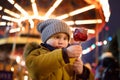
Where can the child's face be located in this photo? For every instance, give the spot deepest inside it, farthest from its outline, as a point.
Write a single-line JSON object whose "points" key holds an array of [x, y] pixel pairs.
{"points": [[59, 40]]}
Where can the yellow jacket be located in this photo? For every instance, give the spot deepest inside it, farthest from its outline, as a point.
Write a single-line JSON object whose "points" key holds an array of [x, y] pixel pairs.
{"points": [[44, 64]]}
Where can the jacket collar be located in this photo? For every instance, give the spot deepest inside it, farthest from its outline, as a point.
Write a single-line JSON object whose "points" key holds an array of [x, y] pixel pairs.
{"points": [[48, 46]]}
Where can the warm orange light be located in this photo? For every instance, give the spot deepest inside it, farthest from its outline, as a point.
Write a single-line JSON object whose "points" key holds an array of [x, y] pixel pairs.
{"points": [[75, 12], [49, 12]]}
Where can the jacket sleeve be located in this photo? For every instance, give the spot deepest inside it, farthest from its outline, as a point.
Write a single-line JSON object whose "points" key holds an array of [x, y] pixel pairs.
{"points": [[65, 55], [50, 61], [85, 75]]}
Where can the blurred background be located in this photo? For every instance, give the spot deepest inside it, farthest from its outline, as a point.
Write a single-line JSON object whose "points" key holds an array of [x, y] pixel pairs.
{"points": [[19, 18]]}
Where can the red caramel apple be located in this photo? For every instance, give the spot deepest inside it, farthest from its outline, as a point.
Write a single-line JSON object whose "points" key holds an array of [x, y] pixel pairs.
{"points": [[80, 34]]}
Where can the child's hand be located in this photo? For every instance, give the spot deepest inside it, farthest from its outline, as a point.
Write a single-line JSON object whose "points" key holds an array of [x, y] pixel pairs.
{"points": [[78, 66], [74, 51]]}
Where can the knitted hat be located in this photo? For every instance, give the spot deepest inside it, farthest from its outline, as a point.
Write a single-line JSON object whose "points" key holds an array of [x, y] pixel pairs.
{"points": [[52, 26]]}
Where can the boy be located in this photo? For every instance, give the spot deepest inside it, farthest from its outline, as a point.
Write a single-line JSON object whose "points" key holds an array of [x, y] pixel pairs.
{"points": [[55, 59]]}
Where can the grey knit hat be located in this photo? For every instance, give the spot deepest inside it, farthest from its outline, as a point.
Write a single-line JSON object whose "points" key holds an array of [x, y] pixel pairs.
{"points": [[52, 26]]}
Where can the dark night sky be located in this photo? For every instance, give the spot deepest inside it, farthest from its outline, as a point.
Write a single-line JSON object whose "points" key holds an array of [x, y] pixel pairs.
{"points": [[114, 22]]}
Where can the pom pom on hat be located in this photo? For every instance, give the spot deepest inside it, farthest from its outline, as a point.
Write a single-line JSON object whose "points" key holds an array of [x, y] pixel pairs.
{"points": [[52, 26]]}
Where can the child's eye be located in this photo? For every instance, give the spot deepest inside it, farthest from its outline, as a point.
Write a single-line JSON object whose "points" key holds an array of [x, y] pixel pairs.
{"points": [[60, 37], [65, 38], [57, 37]]}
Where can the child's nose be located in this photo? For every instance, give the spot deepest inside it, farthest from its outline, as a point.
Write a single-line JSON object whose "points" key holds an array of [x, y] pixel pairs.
{"points": [[61, 41]]}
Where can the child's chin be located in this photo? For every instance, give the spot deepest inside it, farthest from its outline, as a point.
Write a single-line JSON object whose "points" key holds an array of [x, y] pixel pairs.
{"points": [[59, 47]]}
